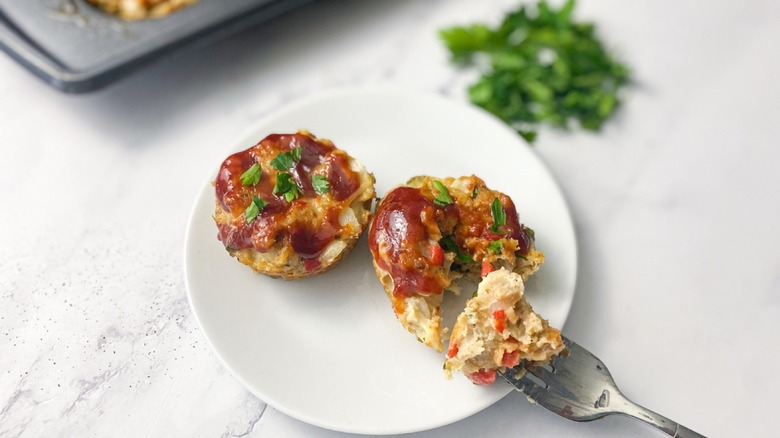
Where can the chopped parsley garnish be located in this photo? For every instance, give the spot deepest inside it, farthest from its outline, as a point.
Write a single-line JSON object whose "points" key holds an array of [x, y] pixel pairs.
{"points": [[448, 244], [496, 246], [499, 215], [530, 232], [415, 180], [320, 184], [255, 207], [286, 187], [444, 198], [286, 160], [544, 67], [252, 175], [296, 153], [475, 192]]}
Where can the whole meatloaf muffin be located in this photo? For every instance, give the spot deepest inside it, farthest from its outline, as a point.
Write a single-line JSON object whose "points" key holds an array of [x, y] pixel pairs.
{"points": [[292, 205], [430, 231]]}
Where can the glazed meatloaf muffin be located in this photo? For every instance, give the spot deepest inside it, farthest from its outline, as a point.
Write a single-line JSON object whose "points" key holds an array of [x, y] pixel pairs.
{"points": [[430, 231], [499, 329], [292, 205]]}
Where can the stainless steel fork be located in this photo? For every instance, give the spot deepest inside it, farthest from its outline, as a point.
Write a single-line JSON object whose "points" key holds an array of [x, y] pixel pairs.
{"points": [[577, 385]]}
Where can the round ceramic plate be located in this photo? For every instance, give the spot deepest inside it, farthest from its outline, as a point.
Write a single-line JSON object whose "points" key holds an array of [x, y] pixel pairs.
{"points": [[328, 350]]}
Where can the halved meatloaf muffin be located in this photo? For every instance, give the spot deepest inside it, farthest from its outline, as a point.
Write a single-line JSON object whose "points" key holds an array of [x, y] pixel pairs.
{"points": [[431, 231]]}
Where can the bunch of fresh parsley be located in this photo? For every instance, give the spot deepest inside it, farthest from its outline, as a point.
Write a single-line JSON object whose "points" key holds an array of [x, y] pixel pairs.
{"points": [[544, 68]]}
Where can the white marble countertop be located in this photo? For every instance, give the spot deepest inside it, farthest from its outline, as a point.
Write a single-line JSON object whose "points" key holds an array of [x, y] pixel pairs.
{"points": [[676, 204]]}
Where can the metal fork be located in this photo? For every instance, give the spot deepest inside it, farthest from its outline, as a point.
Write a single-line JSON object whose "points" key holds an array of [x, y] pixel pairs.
{"points": [[577, 385]]}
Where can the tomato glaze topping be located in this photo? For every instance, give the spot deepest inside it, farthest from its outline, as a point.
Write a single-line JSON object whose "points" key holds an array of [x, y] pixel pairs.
{"points": [[395, 240], [308, 228]]}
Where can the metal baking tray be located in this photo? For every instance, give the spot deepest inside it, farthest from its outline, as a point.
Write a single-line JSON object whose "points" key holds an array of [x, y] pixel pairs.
{"points": [[77, 48]]}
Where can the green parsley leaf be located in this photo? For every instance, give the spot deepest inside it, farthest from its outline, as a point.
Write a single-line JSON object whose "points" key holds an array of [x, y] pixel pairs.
{"points": [[415, 181], [255, 207], [543, 67], [499, 216], [320, 184], [474, 295], [463, 41], [286, 187], [496, 246], [286, 160], [252, 175], [474, 192], [448, 244], [296, 153], [530, 232], [444, 196], [282, 161], [529, 136]]}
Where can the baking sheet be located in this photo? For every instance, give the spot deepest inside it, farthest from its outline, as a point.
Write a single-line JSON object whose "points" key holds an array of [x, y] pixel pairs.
{"points": [[77, 47]]}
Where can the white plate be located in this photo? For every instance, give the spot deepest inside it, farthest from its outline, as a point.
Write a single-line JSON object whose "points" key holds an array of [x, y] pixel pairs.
{"points": [[328, 350]]}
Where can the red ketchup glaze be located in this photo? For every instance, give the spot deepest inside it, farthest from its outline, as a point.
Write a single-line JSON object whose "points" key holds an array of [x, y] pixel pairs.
{"points": [[234, 238], [308, 240], [313, 154], [514, 229], [397, 223], [343, 181]]}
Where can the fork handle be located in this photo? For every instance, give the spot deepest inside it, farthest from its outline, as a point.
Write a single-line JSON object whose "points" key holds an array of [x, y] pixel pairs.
{"points": [[665, 425]]}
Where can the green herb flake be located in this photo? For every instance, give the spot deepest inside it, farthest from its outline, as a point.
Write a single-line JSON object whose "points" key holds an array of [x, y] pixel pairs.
{"points": [[543, 68], [474, 295], [444, 198], [320, 184], [296, 153], [448, 244], [286, 187], [415, 181], [499, 216], [496, 246], [255, 207], [475, 192], [282, 161], [285, 160], [530, 233], [252, 175]]}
